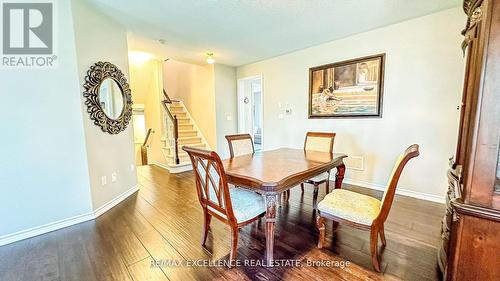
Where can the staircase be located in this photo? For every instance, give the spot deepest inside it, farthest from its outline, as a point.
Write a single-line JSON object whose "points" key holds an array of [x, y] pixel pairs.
{"points": [[188, 134]]}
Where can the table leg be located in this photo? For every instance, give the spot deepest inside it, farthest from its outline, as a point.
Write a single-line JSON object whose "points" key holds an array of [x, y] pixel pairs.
{"points": [[339, 176], [270, 221]]}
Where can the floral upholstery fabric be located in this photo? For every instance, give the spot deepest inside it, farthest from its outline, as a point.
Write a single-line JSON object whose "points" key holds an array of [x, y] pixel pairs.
{"points": [[350, 206], [246, 204], [321, 144], [242, 147], [318, 144]]}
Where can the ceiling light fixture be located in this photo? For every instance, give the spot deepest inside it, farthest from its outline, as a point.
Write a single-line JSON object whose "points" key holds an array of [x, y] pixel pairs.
{"points": [[210, 58], [138, 57]]}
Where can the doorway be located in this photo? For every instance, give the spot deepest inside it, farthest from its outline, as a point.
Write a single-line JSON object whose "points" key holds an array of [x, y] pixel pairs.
{"points": [[139, 124], [250, 109]]}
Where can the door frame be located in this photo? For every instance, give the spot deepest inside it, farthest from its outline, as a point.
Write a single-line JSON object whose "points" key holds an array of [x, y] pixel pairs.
{"points": [[240, 90]]}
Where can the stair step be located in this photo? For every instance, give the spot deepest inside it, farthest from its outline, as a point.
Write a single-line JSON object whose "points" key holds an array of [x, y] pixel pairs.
{"points": [[179, 114], [181, 153], [189, 140], [196, 145], [184, 120], [182, 157], [188, 133], [186, 127]]}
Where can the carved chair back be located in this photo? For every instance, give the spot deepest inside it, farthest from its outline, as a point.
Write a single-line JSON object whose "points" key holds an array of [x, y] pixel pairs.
{"points": [[240, 144], [386, 202], [211, 182], [319, 141]]}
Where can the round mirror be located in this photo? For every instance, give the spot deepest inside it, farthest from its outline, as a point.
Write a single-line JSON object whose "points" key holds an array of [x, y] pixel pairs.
{"points": [[107, 97], [111, 98]]}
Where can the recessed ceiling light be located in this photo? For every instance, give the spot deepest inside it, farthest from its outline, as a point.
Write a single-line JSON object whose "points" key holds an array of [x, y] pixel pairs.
{"points": [[210, 58]]}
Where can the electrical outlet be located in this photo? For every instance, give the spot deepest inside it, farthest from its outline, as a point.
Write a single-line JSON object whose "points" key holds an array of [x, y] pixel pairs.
{"points": [[113, 177], [229, 117], [132, 167], [104, 180]]}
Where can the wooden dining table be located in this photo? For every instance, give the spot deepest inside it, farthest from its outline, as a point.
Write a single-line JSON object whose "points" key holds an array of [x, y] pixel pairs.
{"points": [[272, 172]]}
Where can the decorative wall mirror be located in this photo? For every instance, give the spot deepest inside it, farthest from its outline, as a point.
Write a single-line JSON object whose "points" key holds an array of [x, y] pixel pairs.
{"points": [[108, 97]]}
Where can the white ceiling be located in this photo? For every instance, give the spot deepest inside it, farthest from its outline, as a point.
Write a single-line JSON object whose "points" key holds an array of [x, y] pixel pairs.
{"points": [[245, 31]]}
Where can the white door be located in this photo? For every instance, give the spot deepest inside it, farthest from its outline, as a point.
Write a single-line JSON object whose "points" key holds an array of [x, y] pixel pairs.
{"points": [[250, 111]]}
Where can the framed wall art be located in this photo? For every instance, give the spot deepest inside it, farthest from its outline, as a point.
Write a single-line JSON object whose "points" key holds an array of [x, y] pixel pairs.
{"points": [[347, 89]]}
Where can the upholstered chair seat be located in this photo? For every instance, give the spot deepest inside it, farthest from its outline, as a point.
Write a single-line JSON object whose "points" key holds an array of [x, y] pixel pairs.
{"points": [[362, 211], [351, 206], [246, 204]]}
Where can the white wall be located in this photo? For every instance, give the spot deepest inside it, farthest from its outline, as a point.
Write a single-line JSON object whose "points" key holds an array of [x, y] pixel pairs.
{"points": [[146, 84], [194, 85], [209, 94], [43, 163], [423, 83], [98, 38], [225, 106]]}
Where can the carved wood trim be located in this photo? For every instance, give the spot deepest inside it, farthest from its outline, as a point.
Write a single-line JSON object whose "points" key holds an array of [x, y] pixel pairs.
{"points": [[472, 9], [471, 210], [95, 75]]}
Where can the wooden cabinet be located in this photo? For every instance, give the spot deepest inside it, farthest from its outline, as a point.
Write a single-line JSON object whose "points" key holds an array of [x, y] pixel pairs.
{"points": [[470, 248]]}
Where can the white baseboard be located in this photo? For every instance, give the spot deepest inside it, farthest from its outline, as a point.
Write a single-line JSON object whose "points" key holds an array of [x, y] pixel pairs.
{"points": [[175, 169], [49, 227], [399, 191], [104, 208], [38, 230]]}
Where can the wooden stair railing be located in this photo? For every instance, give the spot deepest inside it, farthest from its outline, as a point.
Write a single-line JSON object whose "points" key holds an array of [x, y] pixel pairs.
{"points": [[144, 147], [164, 102]]}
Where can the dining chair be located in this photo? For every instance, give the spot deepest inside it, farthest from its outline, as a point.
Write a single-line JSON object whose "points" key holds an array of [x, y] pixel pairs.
{"points": [[363, 211], [236, 207], [317, 141], [240, 144]]}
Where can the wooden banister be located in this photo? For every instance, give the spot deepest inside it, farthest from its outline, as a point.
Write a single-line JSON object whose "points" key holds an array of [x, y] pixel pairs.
{"points": [[176, 140], [167, 98], [175, 121], [148, 135], [144, 147]]}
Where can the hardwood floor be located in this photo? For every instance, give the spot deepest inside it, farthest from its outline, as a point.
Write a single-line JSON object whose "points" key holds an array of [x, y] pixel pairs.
{"points": [[163, 223]]}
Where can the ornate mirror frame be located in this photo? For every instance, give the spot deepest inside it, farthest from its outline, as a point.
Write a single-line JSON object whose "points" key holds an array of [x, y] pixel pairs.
{"points": [[95, 75]]}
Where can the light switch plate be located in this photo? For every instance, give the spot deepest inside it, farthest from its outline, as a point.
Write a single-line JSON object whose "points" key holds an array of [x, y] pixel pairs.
{"points": [[104, 180], [113, 177]]}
